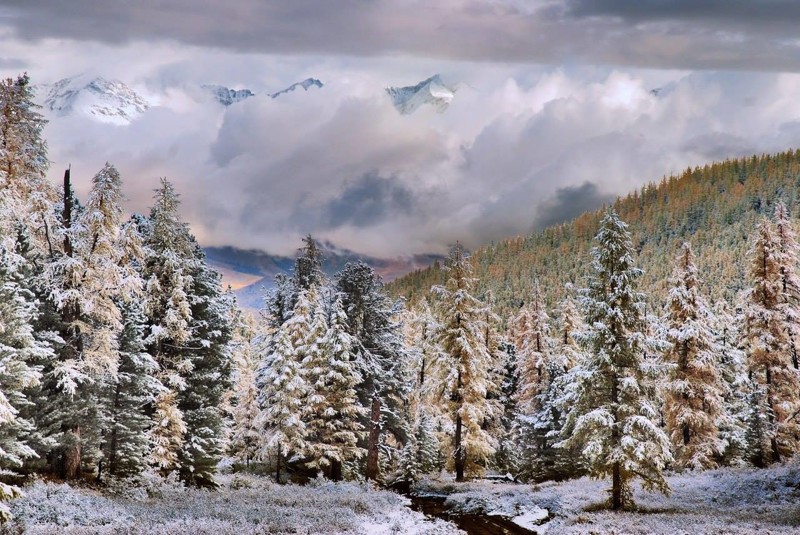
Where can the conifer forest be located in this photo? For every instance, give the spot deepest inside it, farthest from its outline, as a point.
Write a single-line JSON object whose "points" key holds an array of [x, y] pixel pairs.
{"points": [[620, 372]]}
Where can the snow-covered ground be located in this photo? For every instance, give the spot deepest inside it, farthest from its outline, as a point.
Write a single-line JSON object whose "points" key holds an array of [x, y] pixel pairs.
{"points": [[725, 501], [244, 505]]}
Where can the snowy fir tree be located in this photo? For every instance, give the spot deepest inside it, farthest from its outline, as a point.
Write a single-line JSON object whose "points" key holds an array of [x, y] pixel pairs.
{"points": [[787, 258], [125, 397], [373, 323], [612, 414], [241, 402], [332, 411], [767, 343], [283, 389], [532, 339], [466, 371], [694, 393], [735, 382]]}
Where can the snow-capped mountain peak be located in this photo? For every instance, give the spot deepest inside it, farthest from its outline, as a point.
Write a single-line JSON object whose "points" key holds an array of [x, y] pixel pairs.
{"points": [[227, 96], [108, 101], [433, 92], [305, 84]]}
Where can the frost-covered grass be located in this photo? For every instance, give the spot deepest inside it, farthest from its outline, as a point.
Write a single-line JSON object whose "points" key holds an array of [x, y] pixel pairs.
{"points": [[244, 505], [725, 501]]}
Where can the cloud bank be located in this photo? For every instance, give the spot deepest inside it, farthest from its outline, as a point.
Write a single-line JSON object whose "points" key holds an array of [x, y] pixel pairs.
{"points": [[517, 149]]}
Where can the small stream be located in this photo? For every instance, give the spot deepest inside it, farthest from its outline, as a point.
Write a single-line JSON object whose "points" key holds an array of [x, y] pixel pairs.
{"points": [[433, 506]]}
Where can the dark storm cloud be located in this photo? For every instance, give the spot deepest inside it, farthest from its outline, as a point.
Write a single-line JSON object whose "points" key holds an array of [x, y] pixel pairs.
{"points": [[368, 201], [570, 202], [784, 13], [686, 34]]}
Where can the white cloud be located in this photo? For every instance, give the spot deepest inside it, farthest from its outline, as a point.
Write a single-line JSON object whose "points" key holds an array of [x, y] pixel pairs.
{"points": [[515, 144]]}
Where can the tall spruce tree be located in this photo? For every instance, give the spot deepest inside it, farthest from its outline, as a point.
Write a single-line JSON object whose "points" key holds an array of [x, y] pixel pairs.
{"points": [[283, 388], [767, 345], [374, 323], [694, 400], [466, 371], [611, 395], [332, 411]]}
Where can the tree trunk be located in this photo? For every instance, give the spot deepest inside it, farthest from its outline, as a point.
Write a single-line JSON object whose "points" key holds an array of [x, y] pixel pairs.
{"points": [[616, 487], [336, 470], [72, 455], [112, 447], [617, 499], [459, 451], [685, 435], [278, 466], [374, 436]]}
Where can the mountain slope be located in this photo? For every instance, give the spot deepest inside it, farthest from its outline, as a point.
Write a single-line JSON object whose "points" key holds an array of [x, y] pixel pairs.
{"points": [[227, 96], [108, 101], [716, 207], [431, 92], [306, 84]]}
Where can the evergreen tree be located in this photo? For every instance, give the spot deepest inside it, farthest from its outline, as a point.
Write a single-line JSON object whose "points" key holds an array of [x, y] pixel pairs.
{"points": [[189, 319], [694, 395], [125, 398], [787, 258], [612, 414], [19, 351], [25, 194], [373, 322], [507, 455], [767, 345], [465, 373], [332, 412], [283, 389], [532, 335], [242, 400]]}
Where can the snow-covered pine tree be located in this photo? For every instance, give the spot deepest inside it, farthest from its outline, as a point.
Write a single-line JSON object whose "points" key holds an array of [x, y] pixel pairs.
{"points": [[332, 412], [694, 394], [27, 196], [567, 352], [125, 396], [283, 389], [506, 457], [611, 417], [735, 382], [20, 349], [532, 333], [245, 440], [540, 459], [421, 454], [767, 346], [373, 321], [787, 258], [190, 326], [466, 371], [168, 312]]}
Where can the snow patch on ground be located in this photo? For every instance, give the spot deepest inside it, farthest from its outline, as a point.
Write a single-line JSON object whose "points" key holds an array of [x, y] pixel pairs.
{"points": [[243, 505], [731, 501]]}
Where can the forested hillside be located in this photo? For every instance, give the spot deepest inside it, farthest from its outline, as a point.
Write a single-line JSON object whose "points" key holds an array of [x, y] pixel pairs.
{"points": [[715, 207]]}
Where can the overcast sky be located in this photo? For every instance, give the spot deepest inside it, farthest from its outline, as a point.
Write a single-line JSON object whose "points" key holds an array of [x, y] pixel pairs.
{"points": [[554, 112]]}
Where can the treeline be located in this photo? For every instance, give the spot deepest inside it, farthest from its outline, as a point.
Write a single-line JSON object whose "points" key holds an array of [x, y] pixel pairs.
{"points": [[114, 334]]}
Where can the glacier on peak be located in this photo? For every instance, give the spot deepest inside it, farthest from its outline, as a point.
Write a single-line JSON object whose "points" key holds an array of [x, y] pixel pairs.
{"points": [[108, 101], [433, 92]]}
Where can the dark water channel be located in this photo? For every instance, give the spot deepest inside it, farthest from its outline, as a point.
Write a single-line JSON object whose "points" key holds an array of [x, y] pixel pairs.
{"points": [[433, 506]]}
